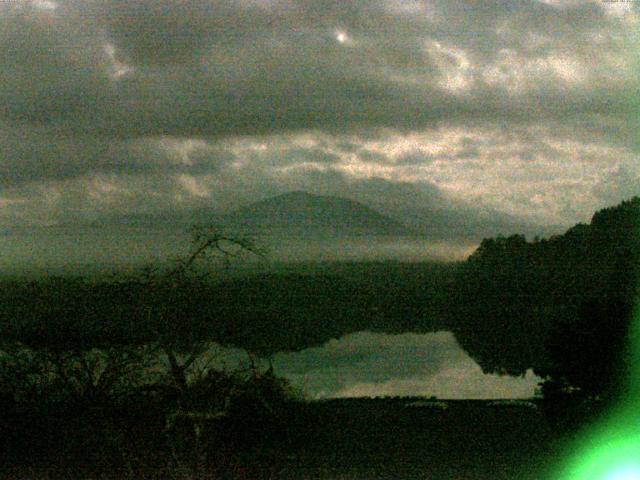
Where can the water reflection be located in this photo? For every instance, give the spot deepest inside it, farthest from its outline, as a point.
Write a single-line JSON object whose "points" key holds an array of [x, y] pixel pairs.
{"points": [[377, 364]]}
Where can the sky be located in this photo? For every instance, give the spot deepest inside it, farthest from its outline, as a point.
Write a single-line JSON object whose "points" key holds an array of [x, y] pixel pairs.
{"points": [[527, 109]]}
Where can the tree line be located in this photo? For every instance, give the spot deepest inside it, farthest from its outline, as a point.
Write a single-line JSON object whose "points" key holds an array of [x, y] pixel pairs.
{"points": [[562, 306]]}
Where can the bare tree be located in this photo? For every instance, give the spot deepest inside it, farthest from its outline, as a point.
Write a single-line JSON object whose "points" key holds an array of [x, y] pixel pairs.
{"points": [[182, 332]]}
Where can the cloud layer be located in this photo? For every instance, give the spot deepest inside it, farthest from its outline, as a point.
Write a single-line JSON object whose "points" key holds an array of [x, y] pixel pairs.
{"points": [[527, 108]]}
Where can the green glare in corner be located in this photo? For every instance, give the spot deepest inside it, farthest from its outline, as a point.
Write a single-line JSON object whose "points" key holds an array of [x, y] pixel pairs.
{"points": [[624, 473], [611, 449]]}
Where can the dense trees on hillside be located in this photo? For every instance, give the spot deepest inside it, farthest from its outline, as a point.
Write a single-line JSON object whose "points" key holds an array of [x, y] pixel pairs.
{"points": [[561, 306]]}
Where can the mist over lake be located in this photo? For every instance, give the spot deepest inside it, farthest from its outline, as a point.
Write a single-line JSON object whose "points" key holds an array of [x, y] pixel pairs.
{"points": [[71, 249]]}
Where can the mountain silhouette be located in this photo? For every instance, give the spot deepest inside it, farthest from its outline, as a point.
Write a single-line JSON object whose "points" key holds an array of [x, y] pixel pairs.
{"points": [[304, 214]]}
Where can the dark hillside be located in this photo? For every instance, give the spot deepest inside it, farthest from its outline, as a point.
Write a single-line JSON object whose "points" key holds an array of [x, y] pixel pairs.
{"points": [[521, 304]]}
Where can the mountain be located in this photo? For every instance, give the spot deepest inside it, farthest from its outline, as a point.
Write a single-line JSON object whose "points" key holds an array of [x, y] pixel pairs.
{"points": [[304, 214]]}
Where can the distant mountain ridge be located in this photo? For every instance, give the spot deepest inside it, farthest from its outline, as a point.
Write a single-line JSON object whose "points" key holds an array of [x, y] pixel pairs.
{"points": [[304, 214]]}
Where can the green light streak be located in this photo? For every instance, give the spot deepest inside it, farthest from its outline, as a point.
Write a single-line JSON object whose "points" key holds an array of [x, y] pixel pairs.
{"points": [[610, 450]]}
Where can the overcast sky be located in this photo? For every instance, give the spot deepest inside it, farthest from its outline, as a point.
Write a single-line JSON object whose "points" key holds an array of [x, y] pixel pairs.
{"points": [[529, 108]]}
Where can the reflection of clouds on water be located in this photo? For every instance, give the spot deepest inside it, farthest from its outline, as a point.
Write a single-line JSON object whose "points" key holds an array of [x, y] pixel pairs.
{"points": [[366, 364], [372, 364], [466, 381]]}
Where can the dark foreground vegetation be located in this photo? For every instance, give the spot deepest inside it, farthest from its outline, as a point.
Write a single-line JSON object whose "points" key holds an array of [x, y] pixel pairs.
{"points": [[395, 438], [222, 426], [347, 439], [112, 377]]}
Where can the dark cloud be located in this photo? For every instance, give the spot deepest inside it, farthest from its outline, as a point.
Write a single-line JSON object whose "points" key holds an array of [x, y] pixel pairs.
{"points": [[167, 31], [36, 154], [227, 67], [617, 185], [415, 157]]}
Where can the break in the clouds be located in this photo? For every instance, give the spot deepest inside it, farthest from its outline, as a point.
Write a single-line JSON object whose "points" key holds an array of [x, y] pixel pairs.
{"points": [[515, 110]]}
